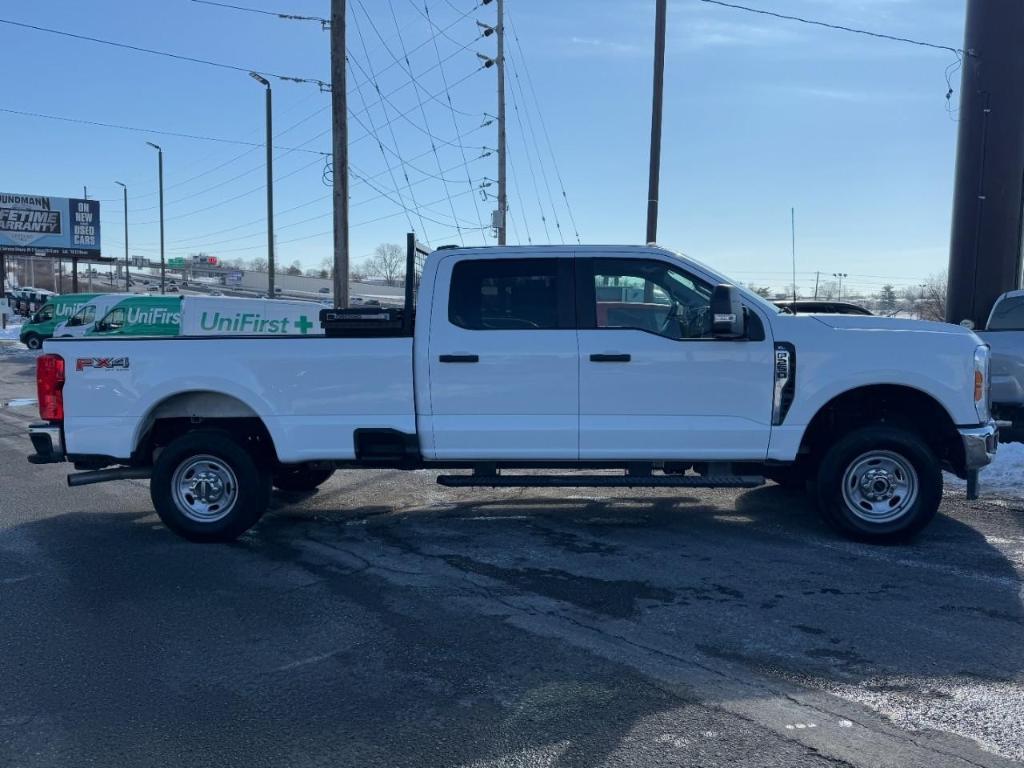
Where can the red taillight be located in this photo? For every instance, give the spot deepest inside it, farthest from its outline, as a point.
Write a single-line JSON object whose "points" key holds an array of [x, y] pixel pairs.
{"points": [[49, 386]]}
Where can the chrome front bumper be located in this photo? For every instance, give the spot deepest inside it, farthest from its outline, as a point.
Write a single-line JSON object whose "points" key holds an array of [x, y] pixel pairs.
{"points": [[980, 445]]}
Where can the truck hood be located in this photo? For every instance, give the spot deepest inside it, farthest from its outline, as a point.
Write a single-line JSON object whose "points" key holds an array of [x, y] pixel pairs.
{"points": [[873, 323]]}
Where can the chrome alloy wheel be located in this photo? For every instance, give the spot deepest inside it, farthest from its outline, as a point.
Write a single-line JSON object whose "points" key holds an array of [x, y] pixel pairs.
{"points": [[880, 486], [204, 489]]}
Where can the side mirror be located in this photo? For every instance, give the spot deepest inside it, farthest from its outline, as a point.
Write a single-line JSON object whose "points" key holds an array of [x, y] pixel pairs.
{"points": [[728, 320]]}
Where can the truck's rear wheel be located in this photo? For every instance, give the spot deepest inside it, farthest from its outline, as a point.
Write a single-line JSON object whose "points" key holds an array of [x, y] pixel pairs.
{"points": [[301, 478], [880, 484], [206, 487], [33, 341]]}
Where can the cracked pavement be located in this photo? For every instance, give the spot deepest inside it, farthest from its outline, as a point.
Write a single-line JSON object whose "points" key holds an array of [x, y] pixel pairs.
{"points": [[386, 621]]}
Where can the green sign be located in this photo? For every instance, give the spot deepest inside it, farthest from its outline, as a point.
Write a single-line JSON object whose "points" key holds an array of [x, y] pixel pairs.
{"points": [[176, 263]]}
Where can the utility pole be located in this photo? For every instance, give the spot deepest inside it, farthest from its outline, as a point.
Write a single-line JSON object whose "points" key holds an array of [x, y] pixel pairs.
{"points": [[270, 185], [502, 188], [656, 105], [160, 171], [985, 244], [339, 111], [817, 277], [124, 188]]}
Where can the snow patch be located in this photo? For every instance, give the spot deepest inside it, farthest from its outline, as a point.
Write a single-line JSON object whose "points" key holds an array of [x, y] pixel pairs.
{"points": [[1004, 477]]}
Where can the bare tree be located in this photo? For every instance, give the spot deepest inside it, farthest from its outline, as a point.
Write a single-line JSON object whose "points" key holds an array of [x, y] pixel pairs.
{"points": [[387, 262], [259, 264], [295, 268], [932, 304]]}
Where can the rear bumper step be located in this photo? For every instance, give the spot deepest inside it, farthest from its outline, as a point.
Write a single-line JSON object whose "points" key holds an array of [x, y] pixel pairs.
{"points": [[600, 481]]}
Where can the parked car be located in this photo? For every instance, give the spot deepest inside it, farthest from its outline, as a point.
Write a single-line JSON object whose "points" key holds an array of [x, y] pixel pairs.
{"points": [[515, 358], [822, 307], [324, 290], [1004, 333]]}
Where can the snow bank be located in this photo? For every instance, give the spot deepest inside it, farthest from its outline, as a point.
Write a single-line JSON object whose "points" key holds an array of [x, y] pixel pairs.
{"points": [[11, 331], [1004, 477]]}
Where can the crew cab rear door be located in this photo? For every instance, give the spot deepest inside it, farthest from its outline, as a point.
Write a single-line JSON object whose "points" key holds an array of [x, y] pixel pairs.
{"points": [[502, 361], [654, 384]]}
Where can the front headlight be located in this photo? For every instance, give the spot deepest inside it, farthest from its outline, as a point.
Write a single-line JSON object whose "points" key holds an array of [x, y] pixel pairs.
{"points": [[982, 382]]}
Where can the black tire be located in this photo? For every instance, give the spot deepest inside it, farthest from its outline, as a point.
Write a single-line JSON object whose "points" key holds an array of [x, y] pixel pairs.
{"points": [[249, 489], [33, 341], [301, 478], [888, 454]]}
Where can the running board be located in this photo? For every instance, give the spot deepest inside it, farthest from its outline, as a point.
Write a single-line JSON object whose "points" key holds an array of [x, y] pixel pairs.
{"points": [[600, 481]]}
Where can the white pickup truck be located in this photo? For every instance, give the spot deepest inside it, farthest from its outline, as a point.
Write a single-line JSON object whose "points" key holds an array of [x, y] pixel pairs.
{"points": [[617, 365]]}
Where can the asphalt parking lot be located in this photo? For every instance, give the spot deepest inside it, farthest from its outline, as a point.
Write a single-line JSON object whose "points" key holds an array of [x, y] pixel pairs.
{"points": [[386, 621]]}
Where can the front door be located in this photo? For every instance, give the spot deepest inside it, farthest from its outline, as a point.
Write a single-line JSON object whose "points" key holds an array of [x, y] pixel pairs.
{"points": [[654, 384], [502, 361]]}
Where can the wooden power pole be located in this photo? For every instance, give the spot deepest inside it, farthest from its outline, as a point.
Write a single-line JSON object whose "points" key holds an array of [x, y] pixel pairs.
{"points": [[499, 30], [656, 105], [339, 110]]}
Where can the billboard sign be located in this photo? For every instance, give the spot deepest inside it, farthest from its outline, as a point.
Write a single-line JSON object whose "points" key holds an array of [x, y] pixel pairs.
{"points": [[234, 277], [54, 226]]}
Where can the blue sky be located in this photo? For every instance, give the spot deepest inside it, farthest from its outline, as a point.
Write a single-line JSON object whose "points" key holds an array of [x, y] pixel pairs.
{"points": [[760, 115]]}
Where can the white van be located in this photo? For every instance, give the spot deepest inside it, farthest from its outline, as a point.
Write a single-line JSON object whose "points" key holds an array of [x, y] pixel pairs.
{"points": [[230, 316], [85, 318]]}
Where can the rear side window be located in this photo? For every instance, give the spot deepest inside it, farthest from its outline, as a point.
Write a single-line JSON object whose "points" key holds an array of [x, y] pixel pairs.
{"points": [[512, 295], [1008, 315]]}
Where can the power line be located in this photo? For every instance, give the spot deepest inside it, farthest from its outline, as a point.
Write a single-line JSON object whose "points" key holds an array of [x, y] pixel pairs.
{"points": [[166, 54], [536, 146], [529, 165], [455, 124], [544, 127], [838, 27], [417, 87], [376, 135], [156, 131], [278, 14]]}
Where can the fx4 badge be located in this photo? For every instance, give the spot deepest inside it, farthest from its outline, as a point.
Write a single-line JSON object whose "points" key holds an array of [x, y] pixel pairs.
{"points": [[109, 363]]}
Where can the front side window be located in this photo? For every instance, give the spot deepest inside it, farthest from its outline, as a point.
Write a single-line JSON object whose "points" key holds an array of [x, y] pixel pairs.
{"points": [[114, 320], [44, 315], [1008, 315], [651, 296], [511, 295], [84, 316]]}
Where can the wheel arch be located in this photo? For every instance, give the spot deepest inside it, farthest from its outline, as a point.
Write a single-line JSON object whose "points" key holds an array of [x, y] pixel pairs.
{"points": [[196, 409], [895, 404]]}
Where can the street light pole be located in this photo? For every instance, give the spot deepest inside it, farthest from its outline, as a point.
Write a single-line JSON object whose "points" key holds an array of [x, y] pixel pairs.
{"points": [[124, 188], [270, 185], [160, 168], [840, 276]]}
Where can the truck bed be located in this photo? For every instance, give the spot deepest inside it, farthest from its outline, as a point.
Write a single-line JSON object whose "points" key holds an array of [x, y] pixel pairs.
{"points": [[311, 392]]}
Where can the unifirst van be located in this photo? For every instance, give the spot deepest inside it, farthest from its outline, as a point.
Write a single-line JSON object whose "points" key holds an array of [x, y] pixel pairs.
{"points": [[226, 316], [56, 310], [141, 316], [83, 320], [209, 316]]}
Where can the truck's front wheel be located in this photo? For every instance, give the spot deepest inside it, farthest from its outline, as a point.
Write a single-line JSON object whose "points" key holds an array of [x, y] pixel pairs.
{"points": [[880, 484], [206, 487], [33, 341]]}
